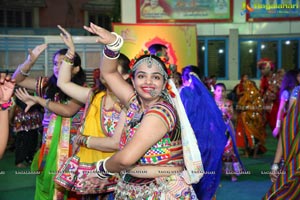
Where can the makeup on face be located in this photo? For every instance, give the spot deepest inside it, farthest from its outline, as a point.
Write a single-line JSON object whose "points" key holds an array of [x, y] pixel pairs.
{"points": [[56, 63], [149, 80], [150, 63]]}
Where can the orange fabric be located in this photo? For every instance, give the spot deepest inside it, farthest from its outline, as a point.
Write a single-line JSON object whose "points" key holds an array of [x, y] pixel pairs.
{"points": [[250, 118]]}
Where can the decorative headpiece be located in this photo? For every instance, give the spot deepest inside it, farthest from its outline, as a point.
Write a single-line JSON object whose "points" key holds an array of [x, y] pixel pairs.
{"points": [[266, 64], [136, 62]]}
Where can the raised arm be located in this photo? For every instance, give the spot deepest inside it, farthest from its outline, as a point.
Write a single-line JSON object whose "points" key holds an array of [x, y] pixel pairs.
{"points": [[73, 90], [280, 113], [21, 75], [6, 89], [109, 64]]}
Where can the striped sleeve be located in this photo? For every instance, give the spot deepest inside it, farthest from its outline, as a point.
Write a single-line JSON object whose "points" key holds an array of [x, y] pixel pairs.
{"points": [[41, 85], [165, 112]]}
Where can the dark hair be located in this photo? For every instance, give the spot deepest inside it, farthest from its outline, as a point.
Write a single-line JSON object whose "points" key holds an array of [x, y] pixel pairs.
{"points": [[185, 72], [177, 76], [153, 57], [289, 81], [79, 78], [220, 85], [154, 48], [124, 61], [243, 75]]}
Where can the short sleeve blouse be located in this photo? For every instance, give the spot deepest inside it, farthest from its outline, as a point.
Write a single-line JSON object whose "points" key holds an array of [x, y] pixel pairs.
{"points": [[164, 150]]}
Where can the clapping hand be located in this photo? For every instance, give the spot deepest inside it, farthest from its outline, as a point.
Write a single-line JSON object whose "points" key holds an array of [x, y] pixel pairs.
{"points": [[7, 86], [36, 52], [24, 96], [105, 37]]}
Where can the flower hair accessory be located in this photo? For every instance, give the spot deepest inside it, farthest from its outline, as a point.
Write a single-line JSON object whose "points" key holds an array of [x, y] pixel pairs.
{"points": [[265, 63]]}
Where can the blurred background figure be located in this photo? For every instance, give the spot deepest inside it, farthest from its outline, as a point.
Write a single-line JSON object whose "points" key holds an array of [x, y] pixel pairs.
{"points": [[232, 165], [26, 127], [250, 128]]}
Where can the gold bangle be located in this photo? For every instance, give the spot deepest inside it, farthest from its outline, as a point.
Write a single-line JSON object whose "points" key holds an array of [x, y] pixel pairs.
{"points": [[68, 60]]}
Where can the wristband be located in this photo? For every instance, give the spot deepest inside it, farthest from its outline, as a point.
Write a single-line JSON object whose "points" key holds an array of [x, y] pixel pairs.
{"points": [[5, 106], [278, 123]]}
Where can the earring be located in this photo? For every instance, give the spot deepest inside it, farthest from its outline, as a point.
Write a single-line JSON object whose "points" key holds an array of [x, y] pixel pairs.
{"points": [[163, 93]]}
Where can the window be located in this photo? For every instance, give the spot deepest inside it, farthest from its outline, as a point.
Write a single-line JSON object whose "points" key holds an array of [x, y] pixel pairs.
{"points": [[269, 49], [212, 57], [101, 20], [290, 54], [216, 58], [16, 18], [248, 57], [28, 19], [201, 56], [284, 52]]}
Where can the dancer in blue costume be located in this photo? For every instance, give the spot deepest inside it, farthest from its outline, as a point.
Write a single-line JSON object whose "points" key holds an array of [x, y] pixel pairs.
{"points": [[209, 127]]}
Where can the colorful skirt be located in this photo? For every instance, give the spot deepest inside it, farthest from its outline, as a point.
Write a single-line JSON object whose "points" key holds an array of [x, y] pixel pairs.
{"points": [[173, 187]]}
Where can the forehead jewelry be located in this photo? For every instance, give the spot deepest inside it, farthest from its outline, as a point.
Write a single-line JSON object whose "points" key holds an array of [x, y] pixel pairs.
{"points": [[150, 62]]}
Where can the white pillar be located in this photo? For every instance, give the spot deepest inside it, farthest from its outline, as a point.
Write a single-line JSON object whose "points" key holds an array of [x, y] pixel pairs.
{"points": [[233, 54], [128, 11]]}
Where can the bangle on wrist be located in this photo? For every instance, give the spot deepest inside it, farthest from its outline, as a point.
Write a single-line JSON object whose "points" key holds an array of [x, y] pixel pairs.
{"points": [[105, 170], [112, 55], [22, 72], [101, 169], [275, 167], [87, 143], [82, 140], [278, 123], [6, 105], [47, 103], [68, 60], [117, 44]]}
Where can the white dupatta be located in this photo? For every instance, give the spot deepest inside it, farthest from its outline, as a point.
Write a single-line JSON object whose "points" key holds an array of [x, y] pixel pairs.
{"points": [[191, 152]]}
